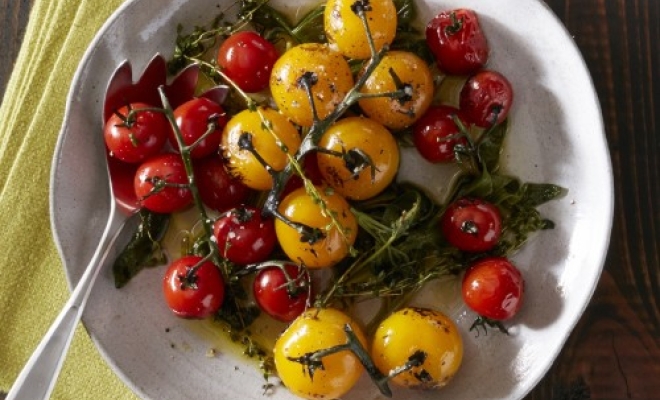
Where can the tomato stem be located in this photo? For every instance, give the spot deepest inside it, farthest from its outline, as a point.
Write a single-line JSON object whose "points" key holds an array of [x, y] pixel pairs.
{"points": [[360, 7], [187, 161], [456, 24]]}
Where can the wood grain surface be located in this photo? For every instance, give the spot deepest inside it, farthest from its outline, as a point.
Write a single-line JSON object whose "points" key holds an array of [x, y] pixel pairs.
{"points": [[614, 351]]}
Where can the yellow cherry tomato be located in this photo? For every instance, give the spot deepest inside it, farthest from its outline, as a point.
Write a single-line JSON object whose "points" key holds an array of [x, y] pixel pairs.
{"points": [[414, 74], [335, 244], [271, 146], [344, 28], [328, 71], [318, 329], [362, 135], [421, 332]]}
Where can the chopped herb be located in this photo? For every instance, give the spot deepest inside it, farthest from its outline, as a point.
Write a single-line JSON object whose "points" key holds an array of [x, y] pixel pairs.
{"points": [[144, 249]]}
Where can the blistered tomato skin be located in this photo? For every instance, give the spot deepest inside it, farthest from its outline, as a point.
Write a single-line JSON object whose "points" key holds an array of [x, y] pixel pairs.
{"points": [[457, 42], [326, 69], [193, 118], [136, 140], [244, 236], [247, 59], [318, 329], [422, 334], [345, 29], [325, 252], [493, 287], [283, 296], [486, 98], [169, 171], [193, 293], [436, 134], [414, 74], [472, 225], [242, 163], [371, 138]]}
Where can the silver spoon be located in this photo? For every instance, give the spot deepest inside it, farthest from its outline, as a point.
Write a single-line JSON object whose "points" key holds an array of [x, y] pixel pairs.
{"points": [[37, 378]]}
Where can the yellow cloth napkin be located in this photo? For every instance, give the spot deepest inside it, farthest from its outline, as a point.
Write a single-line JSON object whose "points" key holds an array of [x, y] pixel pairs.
{"points": [[32, 284]]}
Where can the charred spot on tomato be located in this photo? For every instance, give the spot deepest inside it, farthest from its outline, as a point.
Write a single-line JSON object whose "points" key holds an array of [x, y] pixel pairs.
{"points": [[245, 141], [469, 227], [242, 214], [360, 7], [423, 376], [307, 80], [188, 281], [335, 179]]}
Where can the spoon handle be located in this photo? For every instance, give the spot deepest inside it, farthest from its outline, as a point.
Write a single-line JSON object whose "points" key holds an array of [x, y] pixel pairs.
{"points": [[37, 379]]}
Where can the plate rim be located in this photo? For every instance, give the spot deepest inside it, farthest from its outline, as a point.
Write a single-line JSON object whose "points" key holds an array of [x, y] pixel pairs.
{"points": [[609, 205]]}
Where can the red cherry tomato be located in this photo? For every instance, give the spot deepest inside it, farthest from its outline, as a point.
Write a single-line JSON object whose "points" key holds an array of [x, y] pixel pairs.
{"points": [[244, 236], [193, 119], [486, 98], [161, 184], [493, 287], [137, 138], [457, 42], [247, 59], [218, 190], [436, 134], [282, 296], [472, 225], [193, 290]]}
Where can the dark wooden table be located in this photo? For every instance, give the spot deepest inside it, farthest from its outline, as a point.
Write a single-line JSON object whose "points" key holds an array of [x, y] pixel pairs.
{"points": [[614, 351]]}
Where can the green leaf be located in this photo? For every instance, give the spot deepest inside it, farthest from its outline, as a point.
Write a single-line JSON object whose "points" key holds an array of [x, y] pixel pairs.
{"points": [[490, 146], [144, 249], [406, 12], [536, 194]]}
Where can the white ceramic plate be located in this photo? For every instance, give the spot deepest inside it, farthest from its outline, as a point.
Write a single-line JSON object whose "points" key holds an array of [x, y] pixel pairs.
{"points": [[556, 136]]}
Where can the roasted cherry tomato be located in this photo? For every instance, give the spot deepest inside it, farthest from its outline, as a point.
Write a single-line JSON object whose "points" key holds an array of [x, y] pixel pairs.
{"points": [[457, 42], [194, 118], [282, 291], [436, 134], [372, 152], [345, 29], [218, 190], [193, 288], [472, 225], [398, 70], [420, 335], [135, 137], [318, 329], [247, 59], [247, 128], [493, 287], [161, 184], [244, 236], [333, 245], [326, 70], [486, 98]]}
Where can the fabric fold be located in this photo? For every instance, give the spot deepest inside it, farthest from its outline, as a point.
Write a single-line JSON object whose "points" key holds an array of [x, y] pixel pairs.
{"points": [[33, 287]]}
